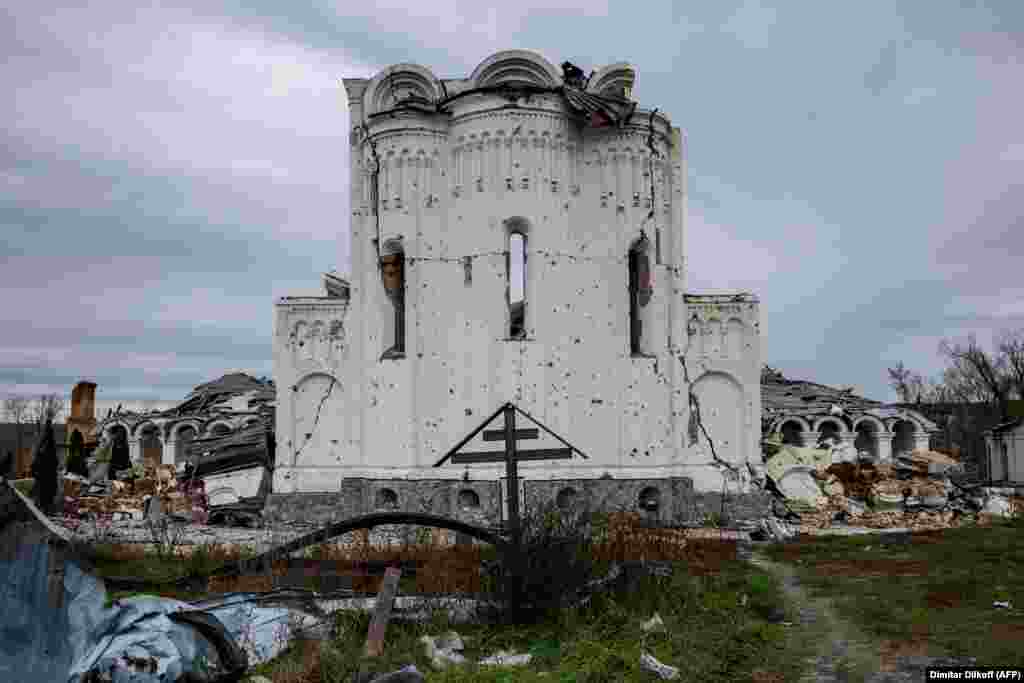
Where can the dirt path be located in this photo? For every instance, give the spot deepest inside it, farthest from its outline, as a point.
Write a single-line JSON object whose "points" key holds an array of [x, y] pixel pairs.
{"points": [[844, 652]]}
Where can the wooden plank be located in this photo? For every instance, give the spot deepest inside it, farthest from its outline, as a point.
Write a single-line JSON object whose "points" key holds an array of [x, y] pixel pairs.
{"points": [[499, 456], [499, 434], [382, 612]]}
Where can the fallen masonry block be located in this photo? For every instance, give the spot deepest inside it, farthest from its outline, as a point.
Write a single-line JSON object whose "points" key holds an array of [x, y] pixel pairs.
{"points": [[503, 658], [662, 671]]}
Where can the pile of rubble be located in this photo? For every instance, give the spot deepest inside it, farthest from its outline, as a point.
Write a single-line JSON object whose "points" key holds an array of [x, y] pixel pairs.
{"points": [[830, 486], [132, 493]]}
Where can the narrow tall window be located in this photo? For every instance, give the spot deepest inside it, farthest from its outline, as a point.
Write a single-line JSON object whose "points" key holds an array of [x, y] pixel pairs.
{"points": [[393, 267], [517, 285], [640, 290]]}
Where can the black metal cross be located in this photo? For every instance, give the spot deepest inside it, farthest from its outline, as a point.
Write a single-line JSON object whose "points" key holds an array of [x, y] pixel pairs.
{"points": [[510, 455]]}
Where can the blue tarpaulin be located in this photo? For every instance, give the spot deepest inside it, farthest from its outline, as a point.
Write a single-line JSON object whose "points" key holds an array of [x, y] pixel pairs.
{"points": [[55, 626]]}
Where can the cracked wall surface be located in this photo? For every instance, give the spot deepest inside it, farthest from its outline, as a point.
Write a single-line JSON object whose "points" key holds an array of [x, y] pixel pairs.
{"points": [[451, 178]]}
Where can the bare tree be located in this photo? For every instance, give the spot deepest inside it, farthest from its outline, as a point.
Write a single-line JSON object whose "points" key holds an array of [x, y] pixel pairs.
{"points": [[909, 385], [46, 408], [16, 409], [1010, 346], [977, 373]]}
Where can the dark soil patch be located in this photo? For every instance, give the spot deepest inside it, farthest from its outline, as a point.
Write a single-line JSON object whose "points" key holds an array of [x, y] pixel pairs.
{"points": [[926, 537], [891, 651], [1008, 632], [943, 599]]}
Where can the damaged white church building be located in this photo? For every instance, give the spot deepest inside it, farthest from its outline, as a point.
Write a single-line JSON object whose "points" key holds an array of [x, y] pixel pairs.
{"points": [[517, 235]]}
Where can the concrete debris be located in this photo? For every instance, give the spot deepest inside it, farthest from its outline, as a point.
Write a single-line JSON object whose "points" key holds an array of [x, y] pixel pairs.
{"points": [[233, 454], [407, 674], [997, 505], [157, 490], [799, 484], [655, 623], [662, 671], [819, 488], [443, 650], [240, 462], [502, 658], [777, 529]]}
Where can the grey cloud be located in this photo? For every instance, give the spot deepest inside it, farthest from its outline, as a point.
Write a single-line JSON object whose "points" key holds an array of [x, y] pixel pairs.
{"points": [[165, 171]]}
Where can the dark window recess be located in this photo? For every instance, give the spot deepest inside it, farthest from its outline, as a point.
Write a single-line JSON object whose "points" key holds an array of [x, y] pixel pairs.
{"points": [[393, 274], [639, 296]]}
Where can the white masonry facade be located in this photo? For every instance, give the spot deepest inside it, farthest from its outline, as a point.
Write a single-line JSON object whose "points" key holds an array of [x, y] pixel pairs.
{"points": [[506, 248]]}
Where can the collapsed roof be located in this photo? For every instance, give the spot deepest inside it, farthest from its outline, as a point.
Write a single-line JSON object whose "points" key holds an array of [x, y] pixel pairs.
{"points": [[242, 449], [235, 391], [783, 397]]}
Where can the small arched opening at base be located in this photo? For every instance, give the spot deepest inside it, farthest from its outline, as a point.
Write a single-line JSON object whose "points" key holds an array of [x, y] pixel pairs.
{"points": [[565, 498], [649, 501], [469, 500], [386, 499]]}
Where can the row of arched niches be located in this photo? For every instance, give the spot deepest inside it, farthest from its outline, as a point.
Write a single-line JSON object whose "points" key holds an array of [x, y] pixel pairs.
{"points": [[497, 149]]}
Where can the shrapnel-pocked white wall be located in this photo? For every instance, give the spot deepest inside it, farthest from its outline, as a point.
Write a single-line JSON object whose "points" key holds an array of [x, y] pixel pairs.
{"points": [[500, 155]]}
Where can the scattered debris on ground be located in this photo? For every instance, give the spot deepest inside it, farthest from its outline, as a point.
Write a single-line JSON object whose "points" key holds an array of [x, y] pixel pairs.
{"points": [[835, 488]]}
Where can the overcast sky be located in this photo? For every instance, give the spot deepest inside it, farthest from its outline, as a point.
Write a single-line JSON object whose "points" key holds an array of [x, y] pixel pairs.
{"points": [[166, 172]]}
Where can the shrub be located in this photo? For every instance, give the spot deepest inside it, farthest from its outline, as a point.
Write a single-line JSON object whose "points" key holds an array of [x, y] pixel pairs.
{"points": [[553, 564]]}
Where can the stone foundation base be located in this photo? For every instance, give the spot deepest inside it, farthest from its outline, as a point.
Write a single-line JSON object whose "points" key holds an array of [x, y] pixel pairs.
{"points": [[671, 500]]}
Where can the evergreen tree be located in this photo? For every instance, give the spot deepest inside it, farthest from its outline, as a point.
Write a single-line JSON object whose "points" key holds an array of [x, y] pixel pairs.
{"points": [[44, 469]]}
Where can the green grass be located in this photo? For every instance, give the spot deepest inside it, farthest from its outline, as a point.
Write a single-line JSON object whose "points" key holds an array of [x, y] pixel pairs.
{"points": [[948, 604], [709, 636], [715, 612]]}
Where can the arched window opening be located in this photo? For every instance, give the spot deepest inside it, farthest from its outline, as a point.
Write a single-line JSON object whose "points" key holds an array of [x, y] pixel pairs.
{"points": [[516, 273], [640, 291], [393, 275], [867, 439], [120, 458], [792, 434], [186, 435], [152, 448], [829, 433], [220, 430], [903, 438]]}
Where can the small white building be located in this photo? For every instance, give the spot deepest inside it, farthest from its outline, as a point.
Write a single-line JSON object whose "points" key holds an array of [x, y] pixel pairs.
{"points": [[1005, 446], [516, 236]]}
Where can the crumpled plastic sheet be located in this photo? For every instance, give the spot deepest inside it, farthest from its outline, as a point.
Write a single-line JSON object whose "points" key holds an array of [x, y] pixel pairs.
{"points": [[39, 642], [140, 627]]}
